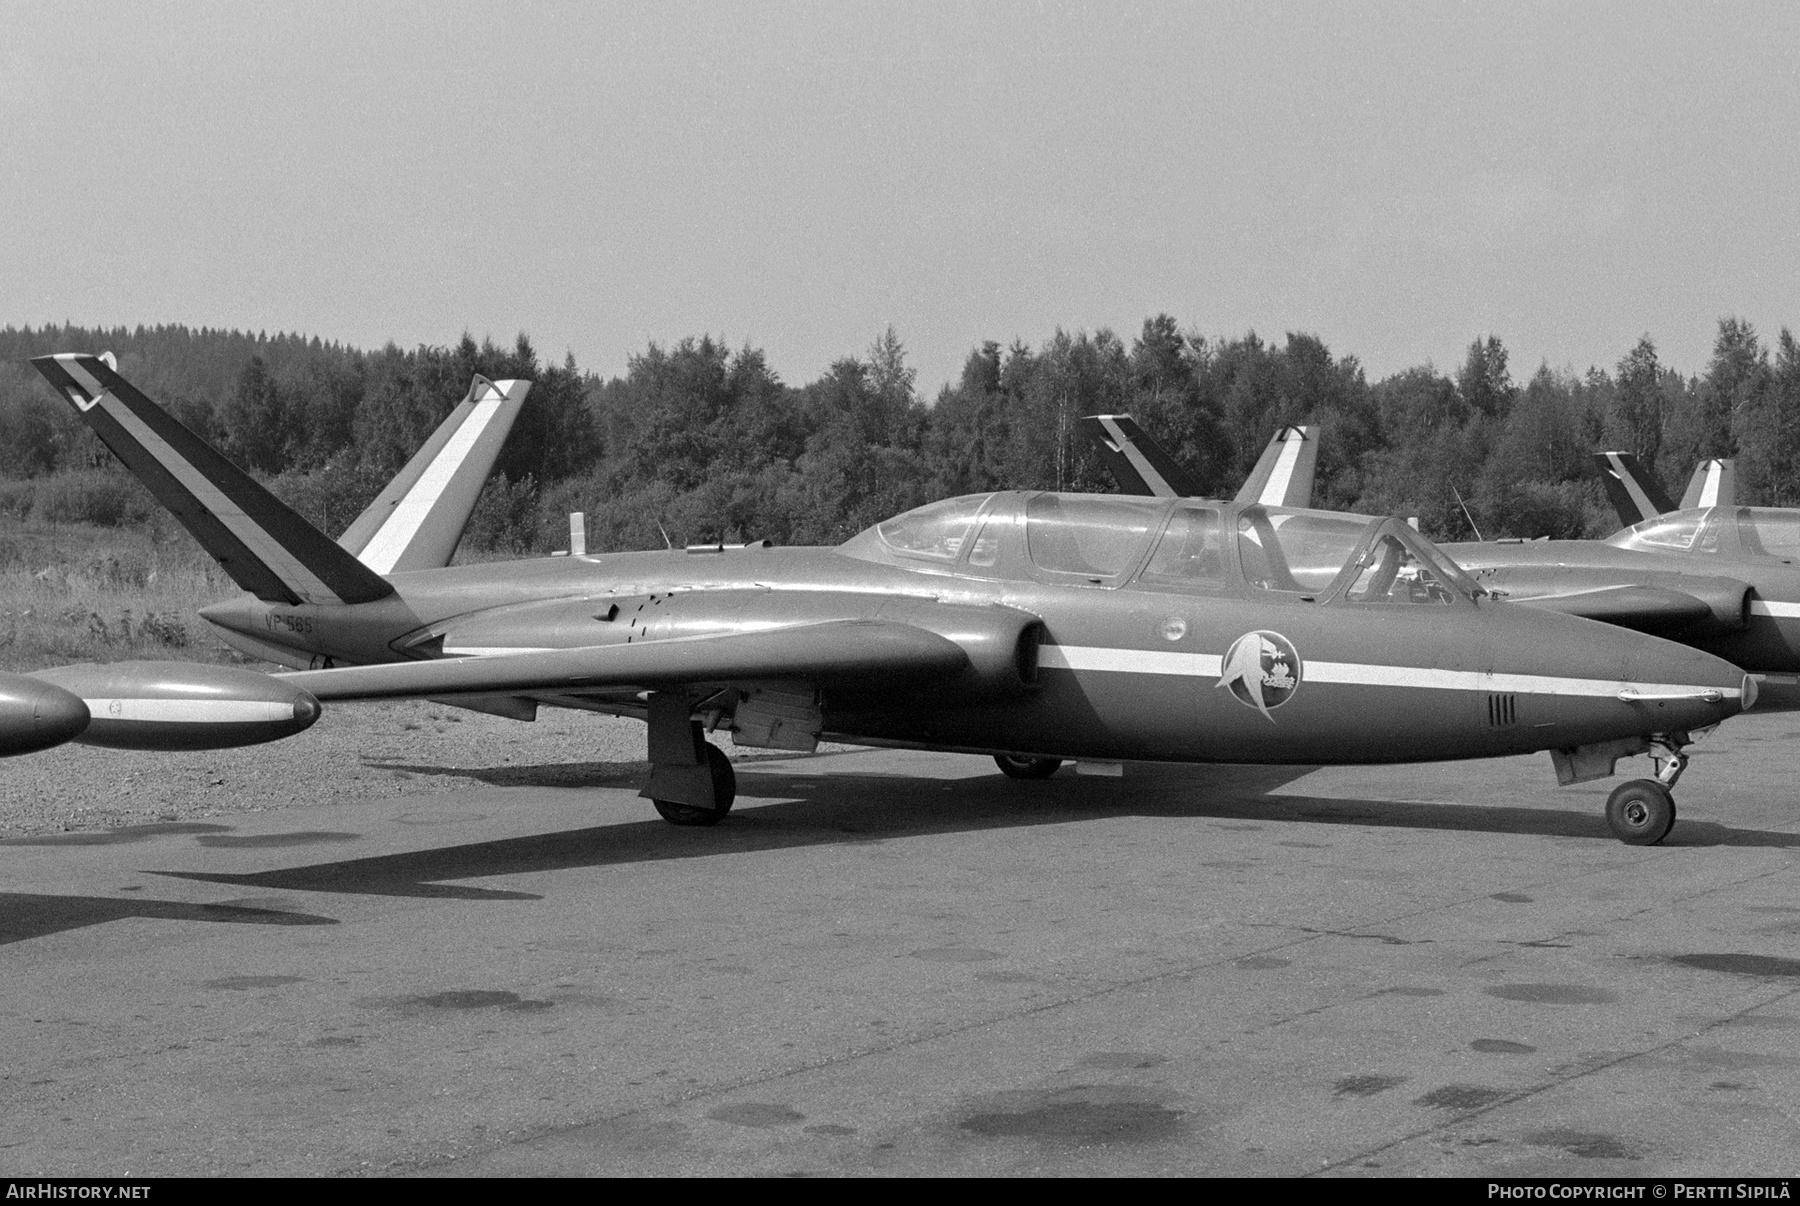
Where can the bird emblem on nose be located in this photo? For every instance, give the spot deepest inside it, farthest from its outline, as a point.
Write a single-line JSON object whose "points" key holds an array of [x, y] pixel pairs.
{"points": [[1262, 669]]}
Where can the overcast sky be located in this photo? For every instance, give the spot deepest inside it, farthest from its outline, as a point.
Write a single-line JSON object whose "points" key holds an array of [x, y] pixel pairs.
{"points": [[1395, 179]]}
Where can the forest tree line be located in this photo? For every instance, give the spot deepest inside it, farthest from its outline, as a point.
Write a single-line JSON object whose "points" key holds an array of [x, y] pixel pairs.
{"points": [[698, 441]]}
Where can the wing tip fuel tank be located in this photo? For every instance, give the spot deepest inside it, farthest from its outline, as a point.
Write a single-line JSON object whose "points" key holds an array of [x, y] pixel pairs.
{"points": [[182, 705], [36, 715]]}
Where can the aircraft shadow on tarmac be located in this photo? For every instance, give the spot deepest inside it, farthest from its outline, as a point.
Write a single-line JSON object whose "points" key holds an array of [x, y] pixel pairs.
{"points": [[33, 915], [847, 809]]}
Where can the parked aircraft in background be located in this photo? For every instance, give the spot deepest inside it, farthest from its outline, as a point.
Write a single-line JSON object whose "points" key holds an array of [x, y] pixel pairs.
{"points": [[1282, 477], [1034, 626], [1719, 577], [1637, 496], [1722, 579]]}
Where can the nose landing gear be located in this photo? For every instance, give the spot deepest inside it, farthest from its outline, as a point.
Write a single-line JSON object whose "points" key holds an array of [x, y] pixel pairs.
{"points": [[1642, 811]]}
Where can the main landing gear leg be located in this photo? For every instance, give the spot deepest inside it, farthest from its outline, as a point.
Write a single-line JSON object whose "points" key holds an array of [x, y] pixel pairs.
{"points": [[691, 780], [1642, 811]]}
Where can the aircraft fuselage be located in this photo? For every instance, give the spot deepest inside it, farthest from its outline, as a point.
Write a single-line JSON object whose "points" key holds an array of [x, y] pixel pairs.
{"points": [[1107, 668]]}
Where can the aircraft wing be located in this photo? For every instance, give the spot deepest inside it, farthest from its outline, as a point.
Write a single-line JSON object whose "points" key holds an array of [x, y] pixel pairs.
{"points": [[861, 654]]}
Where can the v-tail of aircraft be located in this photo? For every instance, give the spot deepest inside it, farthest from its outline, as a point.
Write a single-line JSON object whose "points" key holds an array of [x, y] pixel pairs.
{"points": [[1282, 477], [1636, 495], [415, 523], [263, 544]]}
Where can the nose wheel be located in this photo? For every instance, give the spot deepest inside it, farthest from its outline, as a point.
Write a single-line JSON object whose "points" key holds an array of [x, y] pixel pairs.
{"points": [[1641, 812]]}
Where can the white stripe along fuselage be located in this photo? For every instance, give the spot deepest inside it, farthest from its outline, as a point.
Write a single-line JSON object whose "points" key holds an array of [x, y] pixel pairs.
{"points": [[1209, 665]]}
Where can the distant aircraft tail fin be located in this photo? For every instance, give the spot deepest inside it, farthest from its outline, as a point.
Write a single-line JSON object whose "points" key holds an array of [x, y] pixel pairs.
{"points": [[417, 521], [1283, 476], [1632, 489], [266, 547], [1714, 484], [1137, 462]]}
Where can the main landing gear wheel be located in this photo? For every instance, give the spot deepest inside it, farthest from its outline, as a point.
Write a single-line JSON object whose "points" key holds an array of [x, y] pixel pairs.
{"points": [[1641, 812], [1023, 766], [724, 793]]}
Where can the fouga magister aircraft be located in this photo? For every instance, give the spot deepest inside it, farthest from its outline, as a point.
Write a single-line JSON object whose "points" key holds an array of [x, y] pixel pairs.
{"points": [[1032, 626]]}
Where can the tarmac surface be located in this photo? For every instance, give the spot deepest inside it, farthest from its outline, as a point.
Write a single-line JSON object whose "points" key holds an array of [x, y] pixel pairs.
{"points": [[903, 963]]}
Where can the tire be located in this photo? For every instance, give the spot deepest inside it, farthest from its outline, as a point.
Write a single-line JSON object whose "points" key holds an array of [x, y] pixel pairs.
{"points": [[1641, 812], [724, 781], [1024, 766]]}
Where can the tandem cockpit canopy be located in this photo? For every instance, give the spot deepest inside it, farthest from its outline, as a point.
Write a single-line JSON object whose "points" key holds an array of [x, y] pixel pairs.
{"points": [[1762, 532], [1161, 544]]}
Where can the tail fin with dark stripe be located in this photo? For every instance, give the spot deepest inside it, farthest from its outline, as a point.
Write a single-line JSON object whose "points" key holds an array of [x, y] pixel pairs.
{"points": [[266, 547], [1632, 489], [416, 522], [1137, 462]]}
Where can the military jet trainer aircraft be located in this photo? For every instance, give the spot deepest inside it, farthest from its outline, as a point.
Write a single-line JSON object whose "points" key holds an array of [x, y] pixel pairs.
{"points": [[1028, 625]]}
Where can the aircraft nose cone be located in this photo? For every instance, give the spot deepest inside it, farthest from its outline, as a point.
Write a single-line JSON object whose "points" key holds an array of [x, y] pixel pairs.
{"points": [[1698, 689], [306, 710], [36, 715]]}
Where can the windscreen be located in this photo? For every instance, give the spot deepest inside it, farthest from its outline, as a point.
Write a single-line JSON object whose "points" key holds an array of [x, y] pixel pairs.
{"points": [[1094, 535], [1191, 550], [936, 530], [1675, 532], [1302, 551], [1392, 572]]}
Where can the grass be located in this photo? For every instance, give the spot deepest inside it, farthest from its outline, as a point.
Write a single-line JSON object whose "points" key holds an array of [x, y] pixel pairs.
{"points": [[82, 593]]}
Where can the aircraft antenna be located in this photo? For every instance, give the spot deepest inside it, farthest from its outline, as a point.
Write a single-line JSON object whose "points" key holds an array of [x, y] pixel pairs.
{"points": [[665, 534], [1465, 511]]}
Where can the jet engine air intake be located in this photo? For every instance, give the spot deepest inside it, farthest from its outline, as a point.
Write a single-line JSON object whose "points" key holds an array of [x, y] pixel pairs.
{"points": [[1727, 598], [1001, 642]]}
